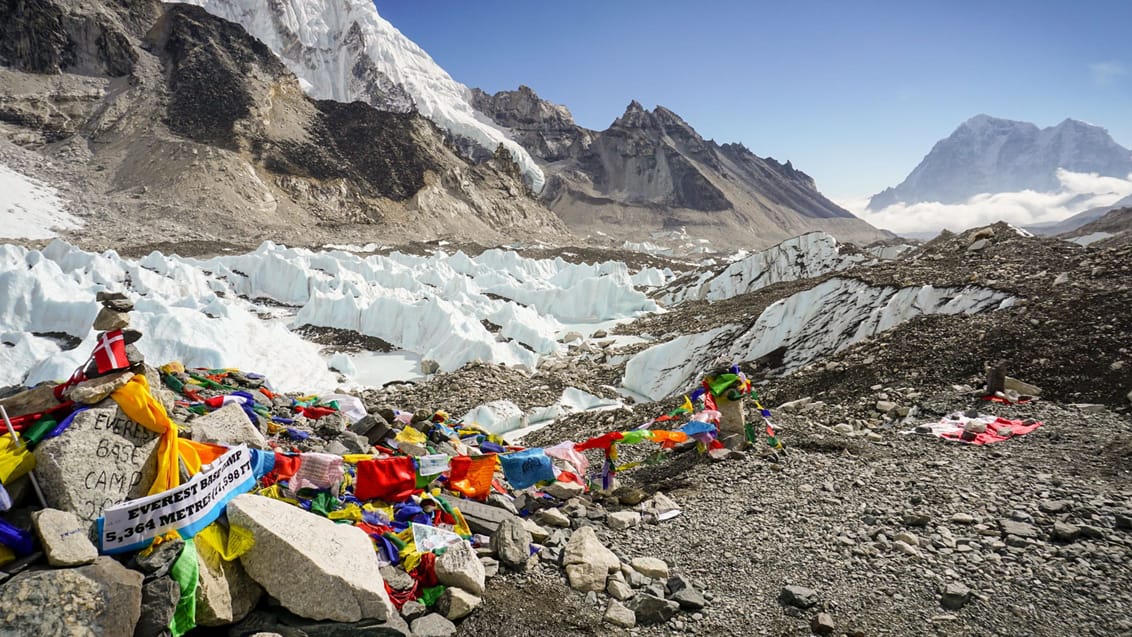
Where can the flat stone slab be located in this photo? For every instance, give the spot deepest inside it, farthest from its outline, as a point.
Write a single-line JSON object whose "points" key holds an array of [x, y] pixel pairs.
{"points": [[102, 459], [228, 425], [64, 538]]}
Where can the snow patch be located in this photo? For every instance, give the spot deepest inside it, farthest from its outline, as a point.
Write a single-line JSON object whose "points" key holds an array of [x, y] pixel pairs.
{"points": [[30, 209]]}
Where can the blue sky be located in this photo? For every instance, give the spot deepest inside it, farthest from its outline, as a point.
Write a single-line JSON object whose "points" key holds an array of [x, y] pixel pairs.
{"points": [[853, 92]]}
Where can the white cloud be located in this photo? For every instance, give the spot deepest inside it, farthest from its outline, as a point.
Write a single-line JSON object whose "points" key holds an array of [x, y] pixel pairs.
{"points": [[1105, 73], [1079, 192]]}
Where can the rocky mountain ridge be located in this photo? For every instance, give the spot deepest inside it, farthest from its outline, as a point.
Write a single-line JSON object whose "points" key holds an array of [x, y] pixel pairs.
{"points": [[650, 171], [989, 155], [201, 133]]}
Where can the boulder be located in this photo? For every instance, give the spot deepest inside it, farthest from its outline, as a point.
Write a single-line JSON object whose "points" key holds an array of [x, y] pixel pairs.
{"points": [[618, 589], [460, 567], [433, 625], [689, 599], [650, 609], [158, 603], [457, 603], [954, 596], [798, 596], [618, 615], [564, 490], [651, 567], [588, 563], [822, 624], [64, 538], [1019, 529], [103, 458], [314, 567], [228, 425], [511, 544], [277, 621], [552, 517], [102, 599], [225, 592], [621, 520]]}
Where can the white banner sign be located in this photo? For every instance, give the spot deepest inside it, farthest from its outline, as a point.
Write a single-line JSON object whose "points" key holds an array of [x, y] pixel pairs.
{"points": [[132, 525]]}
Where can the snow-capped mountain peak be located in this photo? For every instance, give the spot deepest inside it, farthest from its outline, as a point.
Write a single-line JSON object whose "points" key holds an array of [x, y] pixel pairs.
{"points": [[345, 51]]}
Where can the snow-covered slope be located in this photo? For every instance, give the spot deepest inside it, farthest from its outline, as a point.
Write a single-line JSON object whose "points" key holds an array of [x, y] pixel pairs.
{"points": [[802, 257], [238, 311], [30, 209], [343, 50], [810, 324], [991, 155]]}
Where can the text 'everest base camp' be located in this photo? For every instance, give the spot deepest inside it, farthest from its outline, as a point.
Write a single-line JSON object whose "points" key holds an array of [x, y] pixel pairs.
{"points": [[299, 336]]}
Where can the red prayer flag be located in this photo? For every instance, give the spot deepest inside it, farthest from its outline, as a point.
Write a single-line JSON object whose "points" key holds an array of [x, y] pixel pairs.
{"points": [[387, 479]]}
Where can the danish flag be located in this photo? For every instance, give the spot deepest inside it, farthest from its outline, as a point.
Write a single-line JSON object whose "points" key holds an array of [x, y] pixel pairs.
{"points": [[110, 352]]}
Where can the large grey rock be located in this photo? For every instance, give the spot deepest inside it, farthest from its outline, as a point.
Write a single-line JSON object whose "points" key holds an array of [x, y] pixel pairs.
{"points": [[650, 609], [433, 625], [954, 596], [511, 544], [1019, 529], [397, 578], [457, 603], [228, 425], [621, 520], [651, 567], [314, 567], [277, 621], [588, 563], [798, 596], [101, 599], [564, 490], [689, 599], [620, 616], [64, 538], [225, 592], [103, 458], [159, 602], [460, 567], [552, 517], [482, 518]]}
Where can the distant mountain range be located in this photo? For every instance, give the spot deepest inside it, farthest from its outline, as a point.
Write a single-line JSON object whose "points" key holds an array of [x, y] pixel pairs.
{"points": [[990, 155], [306, 121], [650, 171]]}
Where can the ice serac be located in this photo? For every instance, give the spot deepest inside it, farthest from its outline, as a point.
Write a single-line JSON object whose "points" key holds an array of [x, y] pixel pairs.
{"points": [[238, 310], [990, 155], [807, 325], [345, 51], [803, 257]]}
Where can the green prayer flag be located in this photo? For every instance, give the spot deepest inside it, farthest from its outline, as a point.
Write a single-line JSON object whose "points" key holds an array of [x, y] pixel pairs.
{"points": [[186, 572]]}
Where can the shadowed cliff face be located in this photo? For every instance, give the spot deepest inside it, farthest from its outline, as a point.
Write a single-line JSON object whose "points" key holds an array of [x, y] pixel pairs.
{"points": [[217, 77], [41, 36]]}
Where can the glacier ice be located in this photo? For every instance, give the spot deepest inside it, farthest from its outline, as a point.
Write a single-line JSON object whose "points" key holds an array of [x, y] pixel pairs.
{"points": [[810, 324], [239, 310]]}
